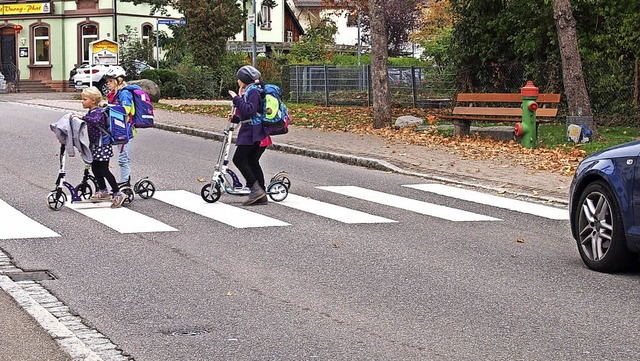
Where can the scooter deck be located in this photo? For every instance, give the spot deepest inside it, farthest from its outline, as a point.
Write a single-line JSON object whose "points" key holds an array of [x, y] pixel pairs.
{"points": [[92, 201]]}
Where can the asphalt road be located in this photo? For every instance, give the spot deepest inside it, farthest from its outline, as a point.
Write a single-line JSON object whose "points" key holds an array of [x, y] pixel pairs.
{"points": [[509, 286]]}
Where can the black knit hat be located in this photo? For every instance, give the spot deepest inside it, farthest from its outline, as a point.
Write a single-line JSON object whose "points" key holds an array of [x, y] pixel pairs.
{"points": [[248, 74]]}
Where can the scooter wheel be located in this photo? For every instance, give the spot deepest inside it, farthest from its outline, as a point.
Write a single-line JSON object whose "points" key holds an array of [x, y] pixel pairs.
{"points": [[145, 189], [129, 195], [211, 192], [56, 200], [84, 191], [277, 191], [282, 176]]}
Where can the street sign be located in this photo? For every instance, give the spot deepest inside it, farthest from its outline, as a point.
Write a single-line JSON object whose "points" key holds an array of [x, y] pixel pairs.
{"points": [[180, 22], [246, 47]]}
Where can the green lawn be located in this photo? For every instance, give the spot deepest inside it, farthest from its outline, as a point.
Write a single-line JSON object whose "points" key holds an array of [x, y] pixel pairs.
{"points": [[551, 135]]}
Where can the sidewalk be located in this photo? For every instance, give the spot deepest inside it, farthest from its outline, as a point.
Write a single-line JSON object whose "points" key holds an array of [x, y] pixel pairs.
{"points": [[21, 337]]}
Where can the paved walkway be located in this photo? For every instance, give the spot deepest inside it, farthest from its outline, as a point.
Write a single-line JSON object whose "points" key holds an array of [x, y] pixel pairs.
{"points": [[22, 337]]}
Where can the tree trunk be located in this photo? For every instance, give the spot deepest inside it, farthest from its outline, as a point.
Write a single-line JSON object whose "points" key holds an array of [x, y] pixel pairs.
{"points": [[379, 70], [572, 74]]}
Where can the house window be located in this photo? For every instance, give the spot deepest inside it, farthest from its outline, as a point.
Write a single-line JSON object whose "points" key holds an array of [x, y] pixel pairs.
{"points": [[147, 32], [41, 45], [289, 36], [89, 34], [265, 17]]}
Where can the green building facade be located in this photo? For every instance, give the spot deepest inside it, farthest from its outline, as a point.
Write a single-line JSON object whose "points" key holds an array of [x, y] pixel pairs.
{"points": [[44, 41]]}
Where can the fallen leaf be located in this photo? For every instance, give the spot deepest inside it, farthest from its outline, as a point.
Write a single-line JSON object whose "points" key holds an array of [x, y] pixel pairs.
{"points": [[201, 179], [520, 240]]}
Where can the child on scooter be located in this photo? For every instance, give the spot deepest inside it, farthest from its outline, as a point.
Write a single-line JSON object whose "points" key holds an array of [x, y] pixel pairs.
{"points": [[96, 118], [248, 149], [114, 79]]}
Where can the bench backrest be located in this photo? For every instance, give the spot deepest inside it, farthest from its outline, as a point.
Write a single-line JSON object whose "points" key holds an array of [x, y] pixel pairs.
{"points": [[544, 100]]}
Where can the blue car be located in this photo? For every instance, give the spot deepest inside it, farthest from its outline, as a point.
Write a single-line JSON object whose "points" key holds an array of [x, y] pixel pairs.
{"points": [[604, 208]]}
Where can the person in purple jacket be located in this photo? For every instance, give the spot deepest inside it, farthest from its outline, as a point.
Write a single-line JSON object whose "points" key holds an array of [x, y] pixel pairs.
{"points": [[248, 152], [101, 153]]}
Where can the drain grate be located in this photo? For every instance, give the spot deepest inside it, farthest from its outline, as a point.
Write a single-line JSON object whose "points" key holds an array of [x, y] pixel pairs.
{"points": [[30, 276]]}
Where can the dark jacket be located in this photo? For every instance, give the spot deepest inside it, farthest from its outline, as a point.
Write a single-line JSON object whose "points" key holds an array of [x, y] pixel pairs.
{"points": [[245, 110], [95, 118]]}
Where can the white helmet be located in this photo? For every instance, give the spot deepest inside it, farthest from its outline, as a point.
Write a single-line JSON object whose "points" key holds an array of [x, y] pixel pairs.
{"points": [[114, 73]]}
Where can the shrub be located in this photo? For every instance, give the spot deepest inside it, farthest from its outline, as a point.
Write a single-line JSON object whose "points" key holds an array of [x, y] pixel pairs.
{"points": [[168, 81], [197, 81], [271, 73], [225, 74]]}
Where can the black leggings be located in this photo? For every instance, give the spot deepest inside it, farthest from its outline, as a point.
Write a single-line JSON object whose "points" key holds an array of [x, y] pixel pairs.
{"points": [[101, 171], [247, 160]]}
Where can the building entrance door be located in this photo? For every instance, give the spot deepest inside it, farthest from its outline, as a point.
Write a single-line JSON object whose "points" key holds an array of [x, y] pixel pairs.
{"points": [[8, 65]]}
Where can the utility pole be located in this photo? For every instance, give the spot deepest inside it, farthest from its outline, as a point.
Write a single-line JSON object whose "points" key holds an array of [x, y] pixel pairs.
{"points": [[359, 41], [253, 6], [157, 44]]}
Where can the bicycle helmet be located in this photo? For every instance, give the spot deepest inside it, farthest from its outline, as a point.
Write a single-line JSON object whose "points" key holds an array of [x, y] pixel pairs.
{"points": [[114, 73]]}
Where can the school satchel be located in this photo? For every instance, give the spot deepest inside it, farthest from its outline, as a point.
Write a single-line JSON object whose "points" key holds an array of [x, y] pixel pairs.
{"points": [[143, 116], [118, 130], [274, 115]]}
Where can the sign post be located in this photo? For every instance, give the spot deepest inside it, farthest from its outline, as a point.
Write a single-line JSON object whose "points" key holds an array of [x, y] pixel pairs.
{"points": [[254, 53], [104, 52], [180, 22]]}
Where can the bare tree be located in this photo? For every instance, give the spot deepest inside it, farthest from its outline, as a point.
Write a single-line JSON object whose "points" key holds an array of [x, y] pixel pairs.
{"points": [[379, 69], [572, 73]]}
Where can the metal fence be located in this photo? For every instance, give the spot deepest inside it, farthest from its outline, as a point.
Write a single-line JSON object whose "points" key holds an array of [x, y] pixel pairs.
{"points": [[611, 86], [331, 85], [11, 74]]}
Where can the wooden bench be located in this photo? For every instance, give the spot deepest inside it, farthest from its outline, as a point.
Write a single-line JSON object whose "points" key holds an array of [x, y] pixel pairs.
{"points": [[493, 107]]}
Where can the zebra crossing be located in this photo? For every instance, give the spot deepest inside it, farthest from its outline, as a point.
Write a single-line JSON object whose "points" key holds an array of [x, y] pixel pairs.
{"points": [[113, 218], [16, 225]]}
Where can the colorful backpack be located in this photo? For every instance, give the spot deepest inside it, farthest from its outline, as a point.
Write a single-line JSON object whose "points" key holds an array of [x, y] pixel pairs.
{"points": [[274, 115], [118, 129], [143, 109]]}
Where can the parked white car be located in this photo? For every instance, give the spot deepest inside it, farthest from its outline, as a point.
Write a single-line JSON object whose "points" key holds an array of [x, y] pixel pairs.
{"points": [[84, 76]]}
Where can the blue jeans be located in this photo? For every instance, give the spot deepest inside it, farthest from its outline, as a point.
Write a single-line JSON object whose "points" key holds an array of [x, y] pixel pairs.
{"points": [[124, 161]]}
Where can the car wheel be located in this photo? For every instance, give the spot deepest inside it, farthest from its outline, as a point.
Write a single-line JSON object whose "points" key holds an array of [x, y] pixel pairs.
{"points": [[104, 89], [600, 232]]}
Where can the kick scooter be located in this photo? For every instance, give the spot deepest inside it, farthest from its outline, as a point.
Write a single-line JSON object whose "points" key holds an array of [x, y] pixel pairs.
{"points": [[225, 180], [80, 193]]}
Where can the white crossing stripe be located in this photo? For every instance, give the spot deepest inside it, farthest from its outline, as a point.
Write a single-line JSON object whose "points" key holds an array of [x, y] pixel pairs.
{"points": [[14, 224], [429, 209], [331, 211], [233, 216], [495, 201], [121, 219]]}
